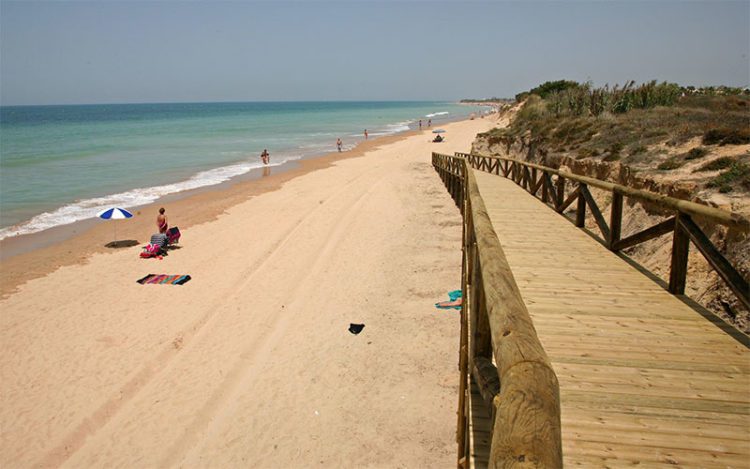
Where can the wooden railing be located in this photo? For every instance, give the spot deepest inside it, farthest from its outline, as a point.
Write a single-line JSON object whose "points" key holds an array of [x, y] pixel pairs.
{"points": [[549, 185], [519, 387]]}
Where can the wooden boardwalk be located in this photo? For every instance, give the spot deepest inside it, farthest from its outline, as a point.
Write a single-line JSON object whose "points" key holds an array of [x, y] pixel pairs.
{"points": [[645, 378]]}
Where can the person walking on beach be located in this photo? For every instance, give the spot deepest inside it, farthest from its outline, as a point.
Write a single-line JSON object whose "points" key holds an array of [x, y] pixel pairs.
{"points": [[429, 122], [365, 134], [265, 157], [420, 124], [338, 144], [161, 221]]}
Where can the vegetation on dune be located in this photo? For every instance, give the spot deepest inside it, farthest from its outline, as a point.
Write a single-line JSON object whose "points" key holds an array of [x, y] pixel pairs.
{"points": [[638, 125], [738, 174], [719, 163], [697, 152]]}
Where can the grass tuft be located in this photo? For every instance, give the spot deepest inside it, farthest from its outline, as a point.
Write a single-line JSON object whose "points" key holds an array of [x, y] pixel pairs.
{"points": [[671, 163], [717, 164], [738, 173], [697, 152], [726, 136]]}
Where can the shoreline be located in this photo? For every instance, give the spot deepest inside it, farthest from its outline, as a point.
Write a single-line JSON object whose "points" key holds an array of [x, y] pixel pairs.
{"points": [[26, 257], [103, 371]]}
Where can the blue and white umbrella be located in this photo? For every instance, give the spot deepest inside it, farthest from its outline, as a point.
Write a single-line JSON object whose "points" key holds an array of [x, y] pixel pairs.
{"points": [[115, 214]]}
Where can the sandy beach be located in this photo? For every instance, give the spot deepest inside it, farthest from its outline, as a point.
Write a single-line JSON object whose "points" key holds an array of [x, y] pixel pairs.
{"points": [[250, 364]]}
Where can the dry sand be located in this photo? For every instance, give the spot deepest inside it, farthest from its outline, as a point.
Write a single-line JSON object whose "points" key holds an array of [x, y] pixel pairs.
{"points": [[250, 364]]}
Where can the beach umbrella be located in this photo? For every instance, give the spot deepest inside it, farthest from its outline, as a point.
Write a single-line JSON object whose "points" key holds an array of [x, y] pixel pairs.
{"points": [[114, 214], [438, 131]]}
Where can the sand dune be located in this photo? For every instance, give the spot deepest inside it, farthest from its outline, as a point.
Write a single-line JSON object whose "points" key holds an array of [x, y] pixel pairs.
{"points": [[250, 364]]}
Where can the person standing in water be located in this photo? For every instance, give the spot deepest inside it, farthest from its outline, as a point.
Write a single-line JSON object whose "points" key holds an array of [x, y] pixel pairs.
{"points": [[365, 134], [265, 157], [420, 124], [161, 221], [338, 144]]}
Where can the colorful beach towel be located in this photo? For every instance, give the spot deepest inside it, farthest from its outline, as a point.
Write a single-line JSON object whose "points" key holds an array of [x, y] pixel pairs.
{"points": [[164, 279], [454, 296]]}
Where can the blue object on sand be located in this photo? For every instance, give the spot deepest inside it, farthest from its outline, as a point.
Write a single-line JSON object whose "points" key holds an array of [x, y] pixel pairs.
{"points": [[453, 295]]}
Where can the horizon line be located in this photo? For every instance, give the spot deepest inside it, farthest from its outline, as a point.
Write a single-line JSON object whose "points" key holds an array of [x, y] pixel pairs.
{"points": [[243, 102]]}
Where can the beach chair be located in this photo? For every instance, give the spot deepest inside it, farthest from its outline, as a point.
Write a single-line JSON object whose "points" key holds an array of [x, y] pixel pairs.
{"points": [[156, 246], [173, 235]]}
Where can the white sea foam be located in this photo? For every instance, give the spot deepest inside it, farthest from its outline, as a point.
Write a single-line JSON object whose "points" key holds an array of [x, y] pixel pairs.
{"points": [[88, 208], [434, 114], [395, 128]]}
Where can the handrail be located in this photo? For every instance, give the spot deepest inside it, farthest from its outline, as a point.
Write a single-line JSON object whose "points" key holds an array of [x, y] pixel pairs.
{"points": [[716, 215], [684, 228], [495, 322]]}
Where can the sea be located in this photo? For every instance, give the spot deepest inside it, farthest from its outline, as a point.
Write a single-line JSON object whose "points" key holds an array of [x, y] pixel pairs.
{"points": [[66, 163]]}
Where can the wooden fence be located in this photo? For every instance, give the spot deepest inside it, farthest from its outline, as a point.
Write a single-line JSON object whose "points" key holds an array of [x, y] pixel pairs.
{"points": [[549, 185], [520, 387]]}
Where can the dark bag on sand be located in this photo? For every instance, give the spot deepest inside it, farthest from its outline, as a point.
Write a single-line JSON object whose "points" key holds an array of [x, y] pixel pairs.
{"points": [[173, 235]]}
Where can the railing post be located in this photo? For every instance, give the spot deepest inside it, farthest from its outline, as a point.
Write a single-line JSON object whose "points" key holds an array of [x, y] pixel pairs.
{"points": [[680, 251], [560, 183], [581, 208], [615, 220]]}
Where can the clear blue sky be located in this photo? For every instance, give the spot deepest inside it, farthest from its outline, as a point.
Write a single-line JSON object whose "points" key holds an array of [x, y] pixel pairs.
{"points": [[111, 52]]}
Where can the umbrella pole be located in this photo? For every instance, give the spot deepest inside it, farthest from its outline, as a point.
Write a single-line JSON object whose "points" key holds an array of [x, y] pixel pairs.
{"points": [[115, 240]]}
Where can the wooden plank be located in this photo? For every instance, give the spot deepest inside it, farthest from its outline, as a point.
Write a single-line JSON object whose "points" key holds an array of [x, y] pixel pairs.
{"points": [[615, 220], [726, 271], [652, 456], [680, 251], [581, 207], [575, 195], [598, 217], [650, 233], [480, 431]]}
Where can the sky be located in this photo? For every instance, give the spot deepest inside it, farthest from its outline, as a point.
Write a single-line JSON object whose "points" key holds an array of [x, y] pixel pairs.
{"points": [[66, 52]]}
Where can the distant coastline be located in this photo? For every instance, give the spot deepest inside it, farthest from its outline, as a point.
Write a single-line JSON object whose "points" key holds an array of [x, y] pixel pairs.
{"points": [[133, 154]]}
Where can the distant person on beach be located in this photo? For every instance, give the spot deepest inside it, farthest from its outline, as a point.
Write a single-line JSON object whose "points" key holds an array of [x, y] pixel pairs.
{"points": [[338, 142], [265, 157], [365, 134], [420, 124], [429, 122], [161, 221]]}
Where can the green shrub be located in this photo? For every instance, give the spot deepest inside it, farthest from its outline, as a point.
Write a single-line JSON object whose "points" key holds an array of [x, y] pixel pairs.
{"points": [[697, 152], [550, 87], [726, 136], [725, 188], [719, 163], [738, 172], [671, 163], [637, 149]]}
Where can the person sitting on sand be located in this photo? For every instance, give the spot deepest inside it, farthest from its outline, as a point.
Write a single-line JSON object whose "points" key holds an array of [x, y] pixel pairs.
{"points": [[438, 139], [161, 221]]}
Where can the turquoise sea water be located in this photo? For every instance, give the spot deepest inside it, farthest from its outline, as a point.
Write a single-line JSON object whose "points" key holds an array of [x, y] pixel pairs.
{"points": [[61, 164]]}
